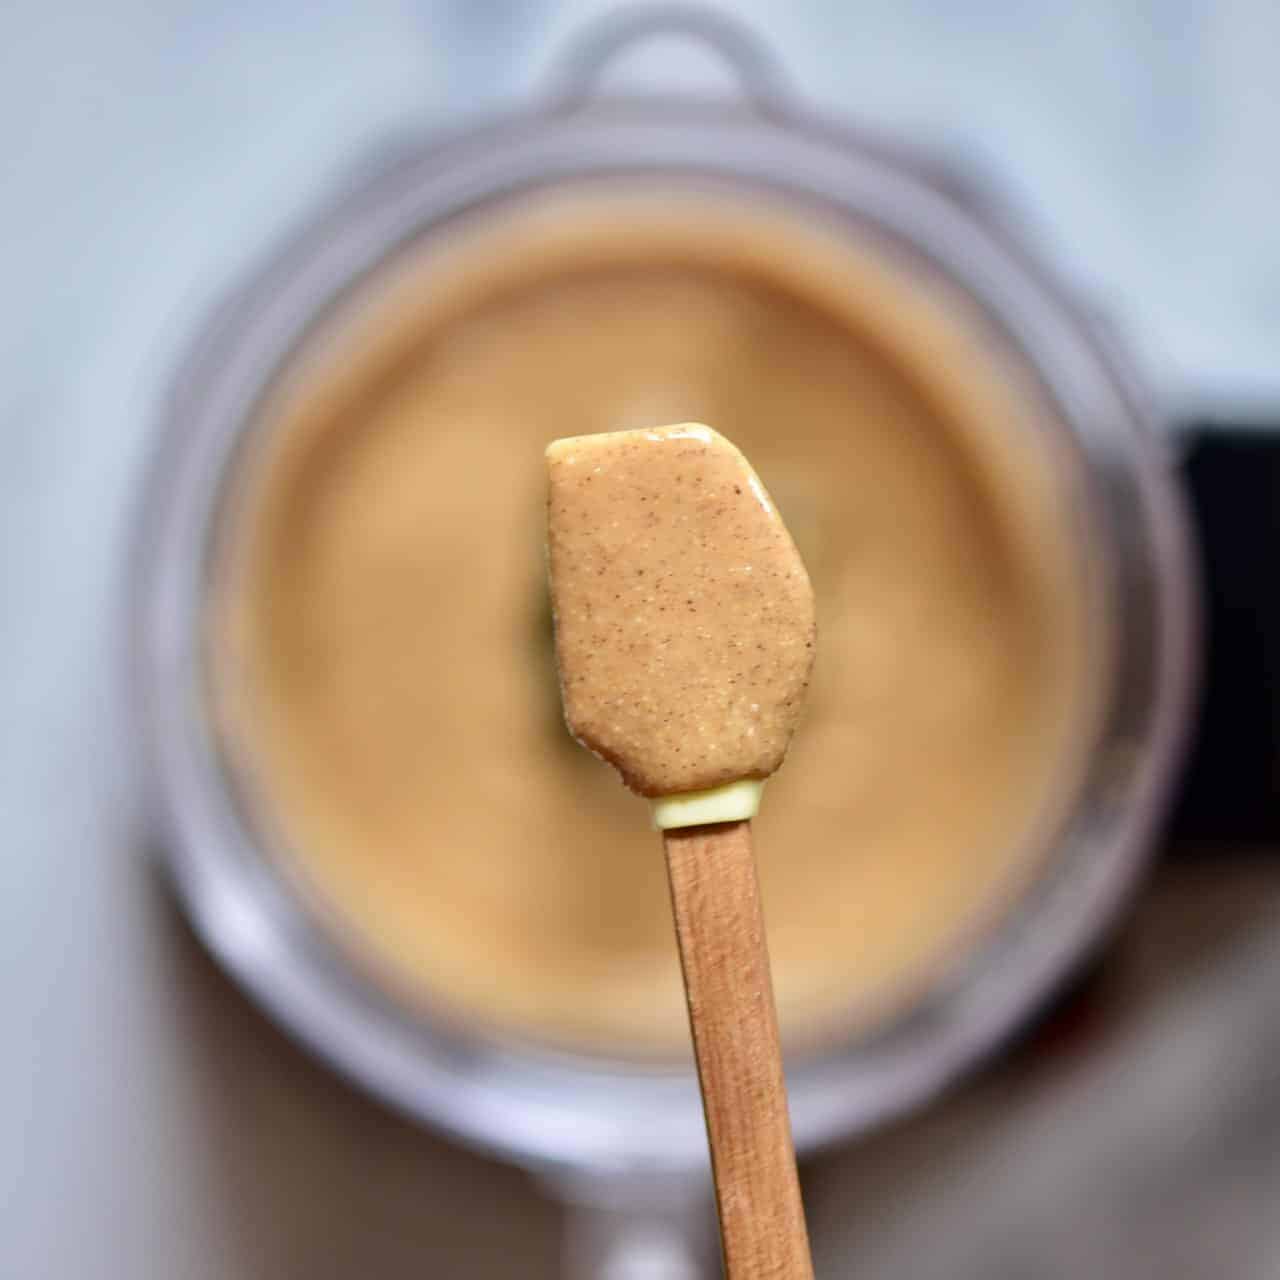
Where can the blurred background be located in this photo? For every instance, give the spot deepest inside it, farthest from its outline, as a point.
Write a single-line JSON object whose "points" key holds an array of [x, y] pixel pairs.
{"points": [[152, 1122]]}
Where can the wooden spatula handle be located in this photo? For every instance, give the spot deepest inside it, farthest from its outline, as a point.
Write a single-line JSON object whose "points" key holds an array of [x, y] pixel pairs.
{"points": [[716, 900]]}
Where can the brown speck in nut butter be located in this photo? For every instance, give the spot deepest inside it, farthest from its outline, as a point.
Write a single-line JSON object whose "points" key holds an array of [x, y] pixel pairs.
{"points": [[639, 522]]}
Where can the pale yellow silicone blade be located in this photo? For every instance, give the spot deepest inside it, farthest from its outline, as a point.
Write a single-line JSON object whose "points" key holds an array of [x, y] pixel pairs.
{"points": [[732, 802]]}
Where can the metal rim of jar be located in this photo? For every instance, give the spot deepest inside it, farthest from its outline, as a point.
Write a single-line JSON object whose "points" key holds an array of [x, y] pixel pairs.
{"points": [[552, 1110]]}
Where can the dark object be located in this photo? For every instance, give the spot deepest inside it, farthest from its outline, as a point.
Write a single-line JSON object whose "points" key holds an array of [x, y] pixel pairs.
{"points": [[1232, 786]]}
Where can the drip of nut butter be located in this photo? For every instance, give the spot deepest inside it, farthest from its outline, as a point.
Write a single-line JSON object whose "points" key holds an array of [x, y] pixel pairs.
{"points": [[684, 618]]}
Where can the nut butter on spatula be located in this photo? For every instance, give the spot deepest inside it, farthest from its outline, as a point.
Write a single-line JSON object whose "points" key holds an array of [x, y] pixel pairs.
{"points": [[684, 624]]}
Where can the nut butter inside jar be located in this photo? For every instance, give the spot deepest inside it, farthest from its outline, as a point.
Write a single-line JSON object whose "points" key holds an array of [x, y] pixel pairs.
{"points": [[380, 642]]}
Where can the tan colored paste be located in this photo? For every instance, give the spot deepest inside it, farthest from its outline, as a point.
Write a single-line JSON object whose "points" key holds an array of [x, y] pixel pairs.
{"points": [[381, 642], [683, 614]]}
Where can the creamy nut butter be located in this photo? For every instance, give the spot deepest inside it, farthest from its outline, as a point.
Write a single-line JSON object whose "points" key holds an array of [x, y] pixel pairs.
{"points": [[684, 615], [380, 641]]}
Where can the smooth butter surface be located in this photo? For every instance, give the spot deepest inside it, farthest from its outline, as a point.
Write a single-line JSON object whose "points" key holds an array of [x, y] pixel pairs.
{"points": [[684, 616]]}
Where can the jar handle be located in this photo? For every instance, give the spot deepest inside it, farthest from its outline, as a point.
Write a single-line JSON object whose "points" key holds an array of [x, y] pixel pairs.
{"points": [[758, 72], [634, 1226]]}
